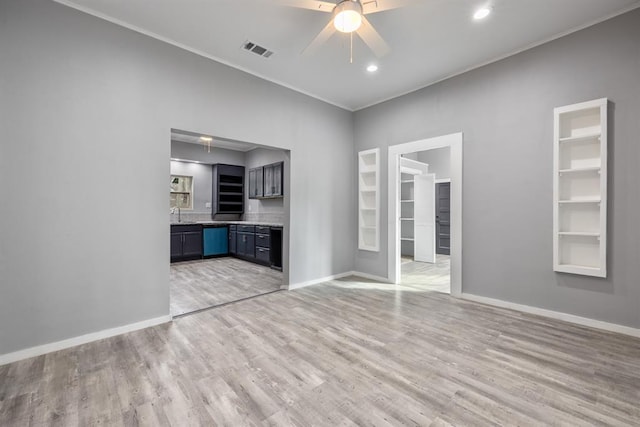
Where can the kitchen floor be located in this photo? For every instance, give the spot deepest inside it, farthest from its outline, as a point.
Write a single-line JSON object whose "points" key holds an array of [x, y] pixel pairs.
{"points": [[206, 283], [427, 277]]}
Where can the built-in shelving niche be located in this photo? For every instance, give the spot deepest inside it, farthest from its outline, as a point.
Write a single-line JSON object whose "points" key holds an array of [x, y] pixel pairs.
{"points": [[369, 200], [580, 189]]}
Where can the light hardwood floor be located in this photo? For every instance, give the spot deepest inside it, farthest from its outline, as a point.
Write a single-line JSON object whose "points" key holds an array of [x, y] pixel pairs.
{"points": [[205, 283], [423, 276], [341, 353]]}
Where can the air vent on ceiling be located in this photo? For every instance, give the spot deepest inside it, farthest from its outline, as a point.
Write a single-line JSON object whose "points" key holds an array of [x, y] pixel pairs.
{"points": [[257, 49]]}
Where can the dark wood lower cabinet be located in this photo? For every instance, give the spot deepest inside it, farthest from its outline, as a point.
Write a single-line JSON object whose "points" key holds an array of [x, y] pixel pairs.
{"points": [[255, 243], [246, 244], [233, 241], [186, 242]]}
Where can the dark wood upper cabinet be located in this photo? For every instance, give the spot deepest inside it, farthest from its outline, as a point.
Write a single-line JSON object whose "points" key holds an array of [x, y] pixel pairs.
{"points": [[256, 183], [273, 180], [266, 182], [228, 190]]}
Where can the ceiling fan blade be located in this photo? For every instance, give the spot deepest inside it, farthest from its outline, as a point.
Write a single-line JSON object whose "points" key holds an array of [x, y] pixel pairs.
{"points": [[320, 39], [373, 39], [373, 6], [321, 6]]}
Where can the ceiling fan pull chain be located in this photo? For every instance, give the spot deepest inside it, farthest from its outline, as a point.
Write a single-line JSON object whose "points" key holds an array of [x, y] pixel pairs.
{"points": [[351, 48]]}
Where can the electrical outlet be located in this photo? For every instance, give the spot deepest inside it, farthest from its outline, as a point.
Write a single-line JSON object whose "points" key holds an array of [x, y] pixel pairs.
{"points": [[207, 205]]}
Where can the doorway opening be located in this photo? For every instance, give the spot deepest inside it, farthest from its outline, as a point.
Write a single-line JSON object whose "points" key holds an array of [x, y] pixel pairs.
{"points": [[228, 213], [425, 214]]}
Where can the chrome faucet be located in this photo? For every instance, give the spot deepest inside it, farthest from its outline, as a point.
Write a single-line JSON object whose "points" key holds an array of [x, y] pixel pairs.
{"points": [[173, 211]]}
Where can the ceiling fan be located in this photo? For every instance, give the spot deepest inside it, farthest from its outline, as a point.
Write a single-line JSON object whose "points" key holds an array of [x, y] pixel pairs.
{"points": [[348, 16]]}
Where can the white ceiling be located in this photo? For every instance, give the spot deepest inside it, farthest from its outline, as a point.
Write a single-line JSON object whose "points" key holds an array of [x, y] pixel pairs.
{"points": [[430, 40]]}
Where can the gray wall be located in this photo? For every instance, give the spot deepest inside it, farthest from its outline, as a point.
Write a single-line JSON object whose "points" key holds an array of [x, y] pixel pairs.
{"points": [[71, 259], [506, 113], [439, 161]]}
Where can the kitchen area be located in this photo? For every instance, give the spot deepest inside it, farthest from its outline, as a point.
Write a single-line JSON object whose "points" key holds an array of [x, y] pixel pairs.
{"points": [[226, 221]]}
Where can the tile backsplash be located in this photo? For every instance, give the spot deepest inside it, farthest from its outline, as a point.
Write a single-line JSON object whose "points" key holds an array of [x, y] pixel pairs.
{"points": [[270, 217]]}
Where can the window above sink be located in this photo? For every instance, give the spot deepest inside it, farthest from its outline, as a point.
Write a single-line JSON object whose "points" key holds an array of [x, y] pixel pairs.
{"points": [[181, 192]]}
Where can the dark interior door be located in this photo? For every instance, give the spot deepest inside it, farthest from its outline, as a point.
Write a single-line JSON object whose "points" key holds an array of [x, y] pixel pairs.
{"points": [[443, 218]]}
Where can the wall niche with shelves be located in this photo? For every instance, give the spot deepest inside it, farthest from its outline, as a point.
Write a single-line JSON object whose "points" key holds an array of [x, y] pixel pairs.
{"points": [[580, 189], [369, 200]]}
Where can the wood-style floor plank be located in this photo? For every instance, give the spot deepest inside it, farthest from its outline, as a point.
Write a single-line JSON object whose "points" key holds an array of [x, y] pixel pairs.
{"points": [[345, 353], [200, 284]]}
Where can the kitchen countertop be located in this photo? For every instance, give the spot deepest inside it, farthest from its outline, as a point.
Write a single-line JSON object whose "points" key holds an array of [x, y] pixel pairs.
{"points": [[264, 224]]}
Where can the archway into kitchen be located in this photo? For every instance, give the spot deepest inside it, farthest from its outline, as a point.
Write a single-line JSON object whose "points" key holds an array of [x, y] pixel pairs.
{"points": [[228, 212], [425, 214]]}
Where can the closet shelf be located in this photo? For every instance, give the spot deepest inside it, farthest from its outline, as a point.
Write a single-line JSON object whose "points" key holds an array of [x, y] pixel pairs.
{"points": [[406, 201], [406, 219]]}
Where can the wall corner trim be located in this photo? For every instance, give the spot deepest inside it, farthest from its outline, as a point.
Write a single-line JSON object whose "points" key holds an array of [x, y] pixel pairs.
{"points": [[82, 339], [571, 318]]}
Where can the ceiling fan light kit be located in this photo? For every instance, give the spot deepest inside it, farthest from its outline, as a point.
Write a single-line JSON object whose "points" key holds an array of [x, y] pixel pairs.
{"points": [[347, 16]]}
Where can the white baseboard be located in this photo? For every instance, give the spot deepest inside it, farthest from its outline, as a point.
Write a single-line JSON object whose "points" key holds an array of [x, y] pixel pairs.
{"points": [[338, 276], [318, 281], [82, 339], [582, 321], [370, 276]]}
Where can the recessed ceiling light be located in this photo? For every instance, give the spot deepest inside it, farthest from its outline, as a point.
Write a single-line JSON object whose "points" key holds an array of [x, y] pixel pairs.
{"points": [[481, 13], [372, 68]]}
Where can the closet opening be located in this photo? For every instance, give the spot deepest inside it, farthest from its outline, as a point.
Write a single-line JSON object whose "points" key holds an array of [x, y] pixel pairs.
{"points": [[425, 215]]}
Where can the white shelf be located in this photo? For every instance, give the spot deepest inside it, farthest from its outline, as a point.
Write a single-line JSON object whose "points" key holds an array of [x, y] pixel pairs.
{"points": [[580, 269], [570, 202], [580, 189], [406, 219], [579, 170], [581, 138], [579, 233], [407, 239], [369, 200], [406, 181], [407, 201]]}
